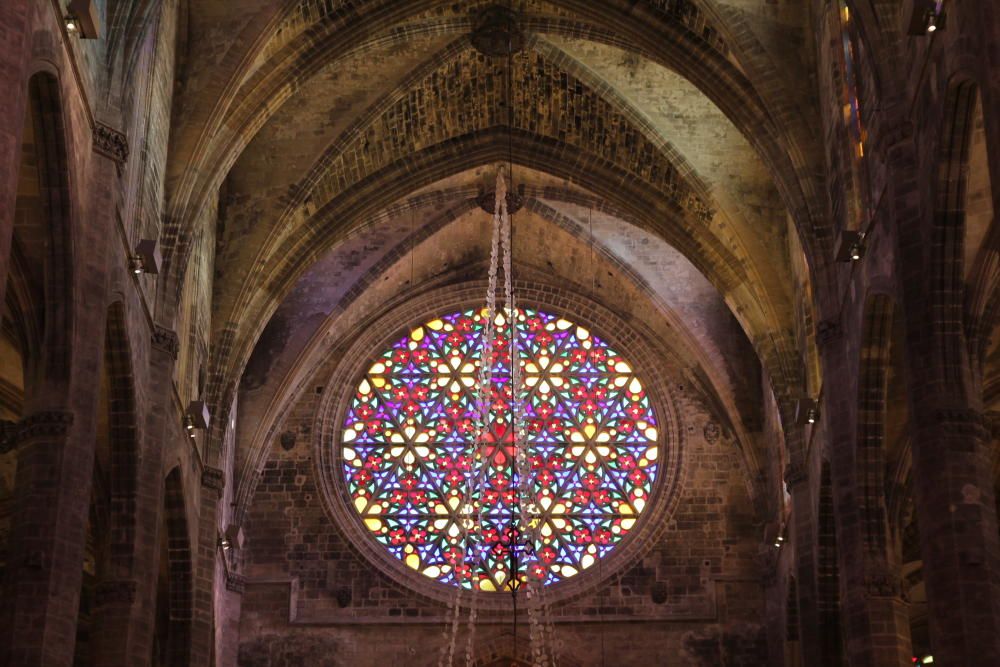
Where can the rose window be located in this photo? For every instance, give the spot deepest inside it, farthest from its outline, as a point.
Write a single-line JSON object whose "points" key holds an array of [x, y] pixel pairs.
{"points": [[407, 450]]}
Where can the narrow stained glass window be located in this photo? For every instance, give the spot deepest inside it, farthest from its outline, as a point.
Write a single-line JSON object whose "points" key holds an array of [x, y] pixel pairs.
{"points": [[408, 440]]}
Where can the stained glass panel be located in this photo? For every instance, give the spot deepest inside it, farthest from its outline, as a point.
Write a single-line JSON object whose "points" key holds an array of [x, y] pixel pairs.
{"points": [[408, 443]]}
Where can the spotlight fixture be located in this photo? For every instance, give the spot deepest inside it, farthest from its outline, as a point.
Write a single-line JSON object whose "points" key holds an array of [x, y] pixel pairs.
{"points": [[850, 246], [234, 536], [926, 17], [197, 416], [147, 258], [189, 424], [806, 411], [82, 19]]}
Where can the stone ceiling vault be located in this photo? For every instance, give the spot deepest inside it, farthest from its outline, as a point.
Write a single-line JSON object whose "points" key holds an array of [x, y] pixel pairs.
{"points": [[669, 117]]}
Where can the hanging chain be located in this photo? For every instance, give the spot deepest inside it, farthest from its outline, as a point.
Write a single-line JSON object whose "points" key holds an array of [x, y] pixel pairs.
{"points": [[468, 529]]}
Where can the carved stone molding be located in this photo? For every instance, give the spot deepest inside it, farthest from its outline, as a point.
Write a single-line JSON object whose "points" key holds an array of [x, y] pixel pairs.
{"points": [[120, 591], [110, 143], [795, 474], [235, 582], [166, 340], [214, 479], [44, 424]]}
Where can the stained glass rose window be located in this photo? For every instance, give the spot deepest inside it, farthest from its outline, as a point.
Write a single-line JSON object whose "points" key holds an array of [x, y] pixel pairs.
{"points": [[408, 441]]}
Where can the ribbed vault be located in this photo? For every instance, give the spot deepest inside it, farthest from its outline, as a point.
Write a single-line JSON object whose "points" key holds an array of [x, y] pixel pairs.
{"points": [[664, 120]]}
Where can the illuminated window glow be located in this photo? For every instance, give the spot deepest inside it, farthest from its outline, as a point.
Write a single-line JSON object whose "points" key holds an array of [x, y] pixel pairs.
{"points": [[407, 443]]}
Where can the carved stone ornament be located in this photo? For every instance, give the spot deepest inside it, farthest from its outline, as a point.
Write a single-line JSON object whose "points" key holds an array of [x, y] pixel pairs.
{"points": [[658, 592], [288, 439], [487, 202], [110, 143], [497, 32], [881, 581], [343, 597], [121, 591], [44, 424], [166, 340], [712, 431], [213, 478]]}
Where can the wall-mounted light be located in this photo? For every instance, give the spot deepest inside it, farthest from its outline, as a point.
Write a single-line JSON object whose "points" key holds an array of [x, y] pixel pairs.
{"points": [[806, 411], [850, 246], [147, 258], [197, 417], [234, 536], [82, 19], [926, 17]]}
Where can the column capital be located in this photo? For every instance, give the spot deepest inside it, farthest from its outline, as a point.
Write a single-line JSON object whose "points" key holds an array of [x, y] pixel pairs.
{"points": [[214, 479], [47, 423], [110, 143], [165, 340], [881, 581]]}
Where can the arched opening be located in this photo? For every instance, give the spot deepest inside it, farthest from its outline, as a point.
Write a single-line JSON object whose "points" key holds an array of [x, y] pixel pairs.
{"points": [[828, 577], [110, 528], [35, 297], [172, 638]]}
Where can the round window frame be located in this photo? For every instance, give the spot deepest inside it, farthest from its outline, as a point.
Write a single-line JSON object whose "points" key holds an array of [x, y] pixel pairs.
{"points": [[638, 348]]}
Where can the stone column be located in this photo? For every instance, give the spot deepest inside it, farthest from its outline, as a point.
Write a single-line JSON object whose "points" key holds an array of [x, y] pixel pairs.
{"points": [[56, 450], [125, 616], [46, 545], [15, 54], [205, 562], [228, 612], [956, 511], [875, 622], [804, 543]]}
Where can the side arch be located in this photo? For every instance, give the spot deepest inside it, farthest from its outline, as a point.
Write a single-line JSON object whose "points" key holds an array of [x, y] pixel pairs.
{"points": [[172, 645]]}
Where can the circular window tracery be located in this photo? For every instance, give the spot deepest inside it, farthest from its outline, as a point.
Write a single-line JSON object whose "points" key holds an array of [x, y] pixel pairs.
{"points": [[408, 437]]}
